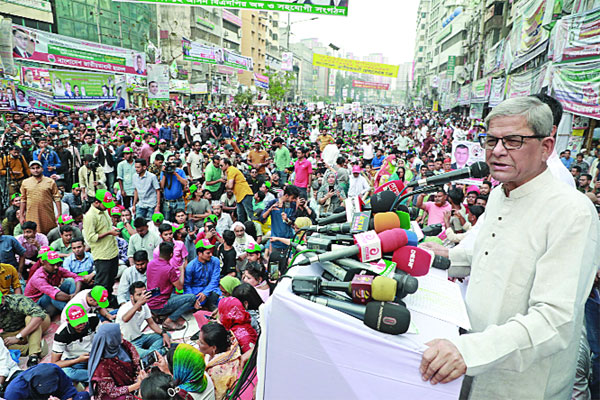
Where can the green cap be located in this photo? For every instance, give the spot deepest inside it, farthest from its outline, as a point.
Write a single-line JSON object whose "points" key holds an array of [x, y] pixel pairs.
{"points": [[14, 196], [204, 244], [100, 294], [193, 189], [177, 227], [253, 248], [211, 218], [105, 197], [158, 217], [75, 186], [76, 315]]}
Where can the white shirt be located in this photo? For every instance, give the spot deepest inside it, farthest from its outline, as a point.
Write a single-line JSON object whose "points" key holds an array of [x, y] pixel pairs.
{"points": [[358, 186], [131, 329], [195, 161], [8, 366], [367, 149], [129, 276], [526, 294]]}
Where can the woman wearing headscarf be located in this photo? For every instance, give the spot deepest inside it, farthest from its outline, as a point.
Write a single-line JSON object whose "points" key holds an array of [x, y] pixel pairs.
{"points": [[235, 318], [223, 357], [187, 366], [41, 382], [114, 365]]}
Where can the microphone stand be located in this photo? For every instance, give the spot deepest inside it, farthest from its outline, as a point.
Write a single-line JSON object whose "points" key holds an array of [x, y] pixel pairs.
{"points": [[424, 189]]}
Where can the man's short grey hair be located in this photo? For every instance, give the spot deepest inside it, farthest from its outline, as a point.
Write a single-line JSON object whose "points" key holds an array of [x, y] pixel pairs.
{"points": [[538, 114]]}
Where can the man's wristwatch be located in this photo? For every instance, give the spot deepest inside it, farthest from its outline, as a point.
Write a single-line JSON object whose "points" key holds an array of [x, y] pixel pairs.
{"points": [[19, 337]]}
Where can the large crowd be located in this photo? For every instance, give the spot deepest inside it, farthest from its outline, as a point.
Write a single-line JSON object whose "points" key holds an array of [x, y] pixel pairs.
{"points": [[118, 225]]}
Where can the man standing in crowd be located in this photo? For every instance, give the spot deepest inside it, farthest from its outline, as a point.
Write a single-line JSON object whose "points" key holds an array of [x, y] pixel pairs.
{"points": [[125, 174], [39, 196], [146, 196], [243, 194], [100, 235]]}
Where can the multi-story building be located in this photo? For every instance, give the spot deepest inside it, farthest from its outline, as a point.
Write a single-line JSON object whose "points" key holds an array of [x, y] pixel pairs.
{"points": [[254, 43], [36, 14]]}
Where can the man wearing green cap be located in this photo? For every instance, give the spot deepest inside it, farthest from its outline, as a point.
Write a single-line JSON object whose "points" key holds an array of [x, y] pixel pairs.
{"points": [[73, 342], [100, 235], [215, 182], [94, 301], [125, 174]]}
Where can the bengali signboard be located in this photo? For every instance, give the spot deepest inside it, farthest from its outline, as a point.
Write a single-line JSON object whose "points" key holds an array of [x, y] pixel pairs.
{"points": [[287, 61], [58, 50], [577, 87], [361, 67], [464, 95], [237, 61], [231, 17], [577, 37], [339, 7], [526, 83], [199, 88], [370, 85], [532, 37], [82, 86], [158, 82], [480, 90], [198, 52], [450, 67], [37, 78], [42, 102]]}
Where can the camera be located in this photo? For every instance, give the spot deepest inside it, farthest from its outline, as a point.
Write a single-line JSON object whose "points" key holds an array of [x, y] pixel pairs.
{"points": [[92, 165], [170, 167]]}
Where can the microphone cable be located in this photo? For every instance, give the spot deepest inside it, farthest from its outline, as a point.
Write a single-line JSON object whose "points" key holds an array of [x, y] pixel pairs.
{"points": [[400, 198]]}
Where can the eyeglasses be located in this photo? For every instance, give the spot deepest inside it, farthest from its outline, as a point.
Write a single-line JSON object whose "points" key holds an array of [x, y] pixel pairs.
{"points": [[510, 142]]}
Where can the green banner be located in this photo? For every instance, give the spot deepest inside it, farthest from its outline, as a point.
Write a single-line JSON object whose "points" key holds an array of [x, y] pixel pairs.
{"points": [[341, 9], [450, 67], [87, 55], [82, 86]]}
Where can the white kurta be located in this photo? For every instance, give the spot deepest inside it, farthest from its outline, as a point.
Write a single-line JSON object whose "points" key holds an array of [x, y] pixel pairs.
{"points": [[533, 268]]}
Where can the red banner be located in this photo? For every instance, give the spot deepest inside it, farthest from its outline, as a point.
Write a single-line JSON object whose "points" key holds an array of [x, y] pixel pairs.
{"points": [[370, 85]]}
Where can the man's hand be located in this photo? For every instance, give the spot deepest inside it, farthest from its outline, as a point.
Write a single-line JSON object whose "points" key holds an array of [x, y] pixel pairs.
{"points": [[437, 248], [9, 341], [201, 297], [84, 357], [442, 362], [166, 340], [144, 298]]}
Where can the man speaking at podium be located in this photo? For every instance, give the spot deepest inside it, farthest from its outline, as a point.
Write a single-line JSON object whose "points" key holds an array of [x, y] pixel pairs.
{"points": [[531, 272]]}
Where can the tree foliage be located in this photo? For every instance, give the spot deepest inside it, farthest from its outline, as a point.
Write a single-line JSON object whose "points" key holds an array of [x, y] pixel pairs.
{"points": [[280, 84], [244, 98]]}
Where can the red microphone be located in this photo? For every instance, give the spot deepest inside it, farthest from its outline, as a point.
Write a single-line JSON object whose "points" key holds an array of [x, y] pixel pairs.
{"points": [[414, 261]]}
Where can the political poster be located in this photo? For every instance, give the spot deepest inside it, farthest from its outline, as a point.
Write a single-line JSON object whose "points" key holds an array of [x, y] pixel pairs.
{"points": [[261, 81], [42, 102], [37, 78], [82, 86], [287, 61], [531, 38], [8, 100], [575, 38], [465, 153], [232, 59], [497, 91], [319, 7], [480, 90], [476, 111], [370, 85], [577, 87], [49, 48], [198, 52], [361, 67], [158, 82], [199, 88], [122, 100], [136, 83]]}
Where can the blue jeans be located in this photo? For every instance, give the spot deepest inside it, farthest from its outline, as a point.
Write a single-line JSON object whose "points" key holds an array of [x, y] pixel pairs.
{"points": [[592, 323], [148, 343], [68, 286], [177, 305], [144, 212], [77, 372], [283, 176], [244, 209], [170, 206]]}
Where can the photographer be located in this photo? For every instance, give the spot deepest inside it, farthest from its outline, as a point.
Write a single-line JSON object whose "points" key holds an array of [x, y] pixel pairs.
{"points": [[14, 166], [172, 182], [68, 166], [91, 178], [48, 157]]}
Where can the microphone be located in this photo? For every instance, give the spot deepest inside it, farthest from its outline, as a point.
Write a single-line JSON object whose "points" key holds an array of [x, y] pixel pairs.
{"points": [[432, 230], [391, 220], [386, 317], [476, 170], [417, 261], [361, 222], [406, 284], [362, 288], [382, 201], [332, 219], [369, 246]]}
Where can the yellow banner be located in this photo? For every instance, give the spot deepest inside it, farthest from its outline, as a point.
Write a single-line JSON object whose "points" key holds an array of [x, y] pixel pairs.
{"points": [[361, 67]]}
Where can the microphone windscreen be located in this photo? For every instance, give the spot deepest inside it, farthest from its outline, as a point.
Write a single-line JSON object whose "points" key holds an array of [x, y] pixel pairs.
{"points": [[388, 317], [404, 218], [412, 260], [440, 262], [479, 169], [385, 221], [384, 289], [413, 240], [382, 201], [392, 239]]}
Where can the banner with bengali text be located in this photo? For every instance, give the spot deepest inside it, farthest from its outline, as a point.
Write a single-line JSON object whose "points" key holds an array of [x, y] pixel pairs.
{"points": [[577, 87], [531, 38], [497, 91], [158, 82], [82, 86], [261, 81], [361, 67], [49, 48], [37, 78], [340, 7], [577, 37], [370, 85], [480, 90], [41, 102]]}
